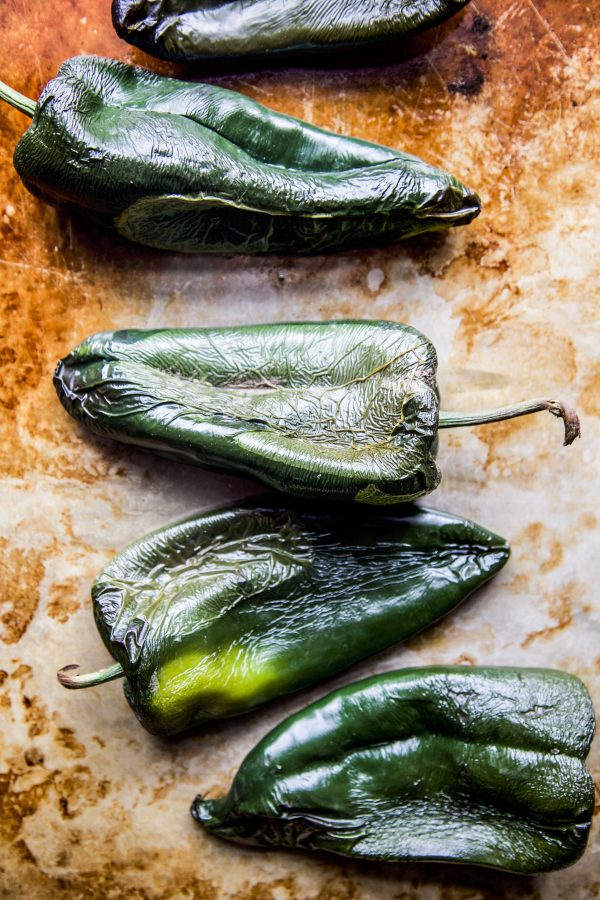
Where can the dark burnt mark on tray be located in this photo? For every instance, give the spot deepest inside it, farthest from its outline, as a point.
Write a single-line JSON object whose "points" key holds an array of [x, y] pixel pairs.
{"points": [[470, 81]]}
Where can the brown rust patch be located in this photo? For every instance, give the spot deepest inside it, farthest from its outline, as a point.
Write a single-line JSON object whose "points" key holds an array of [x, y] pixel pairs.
{"points": [[65, 737], [21, 573], [72, 790], [338, 889], [15, 806], [22, 674], [589, 396], [470, 80], [541, 546], [40, 436], [560, 609], [484, 315], [78, 789], [36, 715], [65, 599], [34, 756], [465, 659]]}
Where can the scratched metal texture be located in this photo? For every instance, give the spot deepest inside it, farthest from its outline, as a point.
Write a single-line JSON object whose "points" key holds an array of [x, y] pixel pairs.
{"points": [[505, 96]]}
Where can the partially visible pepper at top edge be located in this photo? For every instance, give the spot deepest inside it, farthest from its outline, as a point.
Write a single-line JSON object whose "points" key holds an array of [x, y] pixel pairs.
{"points": [[201, 169], [344, 410], [213, 616], [213, 29], [466, 765]]}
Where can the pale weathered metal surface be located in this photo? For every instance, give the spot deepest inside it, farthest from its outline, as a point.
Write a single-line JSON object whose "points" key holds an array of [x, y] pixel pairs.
{"points": [[505, 96]]}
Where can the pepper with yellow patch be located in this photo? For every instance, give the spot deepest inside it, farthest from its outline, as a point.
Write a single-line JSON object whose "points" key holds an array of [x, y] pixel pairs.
{"points": [[218, 614]]}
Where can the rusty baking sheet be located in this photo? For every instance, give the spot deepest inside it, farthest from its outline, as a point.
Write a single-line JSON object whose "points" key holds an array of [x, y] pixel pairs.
{"points": [[505, 95]]}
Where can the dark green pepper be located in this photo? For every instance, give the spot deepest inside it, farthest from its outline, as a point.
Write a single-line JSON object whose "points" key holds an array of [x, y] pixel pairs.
{"points": [[455, 764], [209, 29], [216, 615], [346, 410], [197, 168]]}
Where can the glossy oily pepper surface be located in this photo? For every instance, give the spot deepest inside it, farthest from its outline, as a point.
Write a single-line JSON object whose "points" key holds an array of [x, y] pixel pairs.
{"points": [[198, 168], [227, 610], [346, 410], [472, 765], [209, 29]]}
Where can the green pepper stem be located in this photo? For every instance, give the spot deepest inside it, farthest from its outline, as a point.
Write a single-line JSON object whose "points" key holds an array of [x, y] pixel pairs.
{"points": [[558, 409], [19, 101], [93, 678]]}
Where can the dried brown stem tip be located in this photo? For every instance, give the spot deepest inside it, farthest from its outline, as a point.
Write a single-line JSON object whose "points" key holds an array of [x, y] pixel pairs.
{"points": [[569, 417], [74, 682]]}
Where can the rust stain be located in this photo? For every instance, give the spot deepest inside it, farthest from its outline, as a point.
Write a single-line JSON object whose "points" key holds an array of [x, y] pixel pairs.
{"points": [[65, 737], [21, 572], [77, 789], [465, 659], [163, 789], [65, 599], [542, 545], [24, 703], [71, 791], [34, 756], [478, 316], [35, 713], [22, 674], [17, 806], [589, 396], [560, 608], [338, 889]]}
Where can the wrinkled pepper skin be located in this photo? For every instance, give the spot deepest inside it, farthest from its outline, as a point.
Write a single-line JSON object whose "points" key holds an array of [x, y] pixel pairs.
{"points": [[344, 410], [225, 611], [188, 30], [198, 168], [464, 765]]}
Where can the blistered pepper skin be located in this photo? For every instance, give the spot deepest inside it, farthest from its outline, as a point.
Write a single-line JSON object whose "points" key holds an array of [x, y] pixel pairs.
{"points": [[201, 169], [343, 410], [466, 765], [188, 30], [225, 611]]}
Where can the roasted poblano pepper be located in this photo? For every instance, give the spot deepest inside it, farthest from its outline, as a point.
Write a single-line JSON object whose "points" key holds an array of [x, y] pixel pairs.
{"points": [[209, 29], [198, 168], [346, 410], [455, 764], [225, 611]]}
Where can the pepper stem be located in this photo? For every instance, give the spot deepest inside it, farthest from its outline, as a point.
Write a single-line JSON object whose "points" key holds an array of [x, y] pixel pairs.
{"points": [[19, 101], [83, 681], [558, 409]]}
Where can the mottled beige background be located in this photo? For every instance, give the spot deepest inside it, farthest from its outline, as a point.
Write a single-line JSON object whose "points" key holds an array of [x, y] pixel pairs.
{"points": [[505, 96]]}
